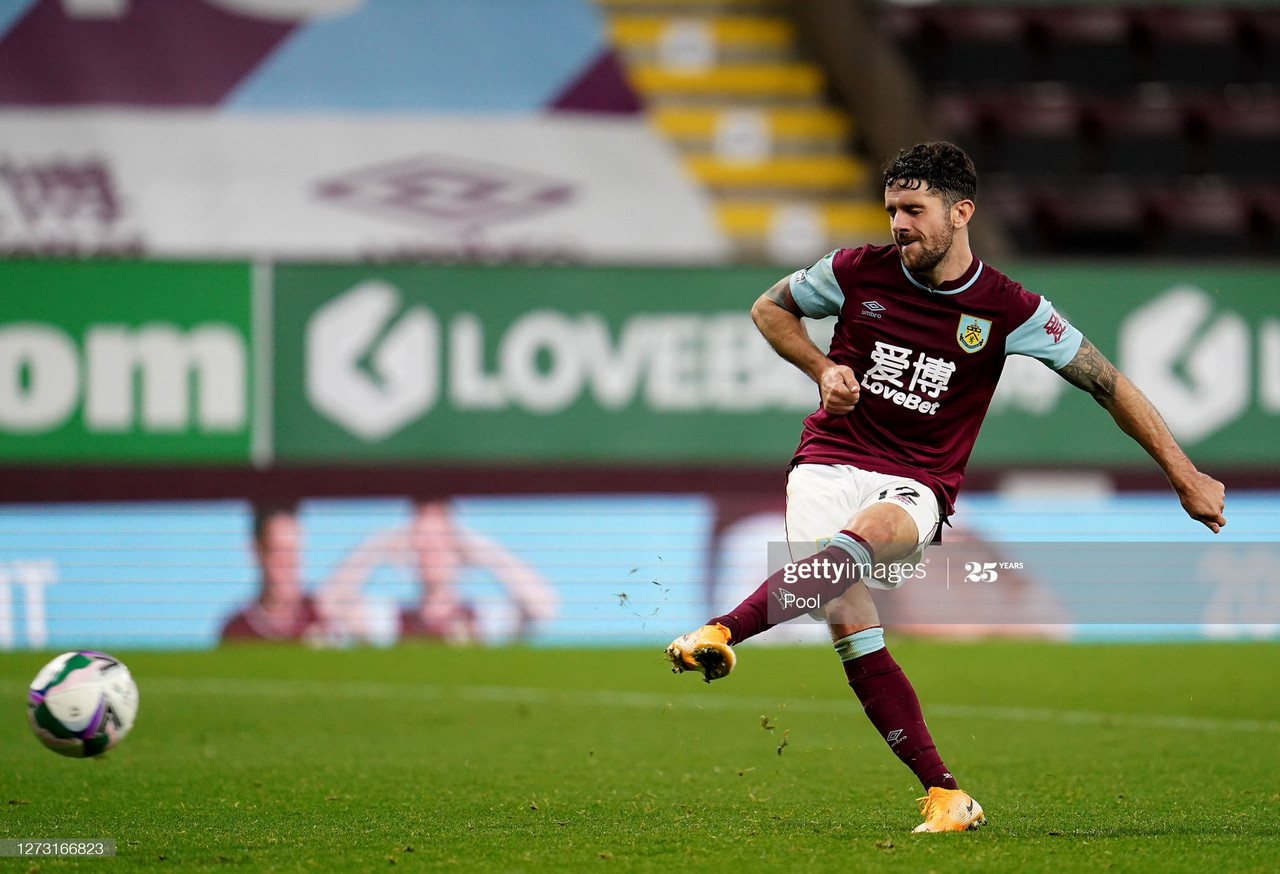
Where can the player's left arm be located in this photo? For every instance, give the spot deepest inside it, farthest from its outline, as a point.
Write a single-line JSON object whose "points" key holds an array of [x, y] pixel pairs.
{"points": [[1202, 496]]}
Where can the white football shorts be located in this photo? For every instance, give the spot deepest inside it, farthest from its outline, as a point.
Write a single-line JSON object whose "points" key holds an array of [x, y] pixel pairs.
{"points": [[822, 498]]}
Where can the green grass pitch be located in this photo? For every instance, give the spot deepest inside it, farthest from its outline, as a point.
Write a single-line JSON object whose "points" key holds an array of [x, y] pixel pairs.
{"points": [[1136, 758]]}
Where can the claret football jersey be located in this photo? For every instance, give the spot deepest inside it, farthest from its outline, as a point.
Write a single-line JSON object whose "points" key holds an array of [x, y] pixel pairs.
{"points": [[927, 361]]}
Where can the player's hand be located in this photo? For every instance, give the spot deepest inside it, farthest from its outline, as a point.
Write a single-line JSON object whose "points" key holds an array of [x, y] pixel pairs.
{"points": [[838, 388], [1204, 499]]}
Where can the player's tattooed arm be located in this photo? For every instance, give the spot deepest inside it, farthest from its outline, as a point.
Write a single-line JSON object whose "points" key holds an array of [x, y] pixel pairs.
{"points": [[1202, 496], [1091, 371], [778, 317], [780, 295]]}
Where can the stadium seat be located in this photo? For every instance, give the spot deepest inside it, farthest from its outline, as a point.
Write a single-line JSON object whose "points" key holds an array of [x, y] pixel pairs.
{"points": [[1207, 216], [1141, 140], [1041, 138], [1262, 39], [971, 123], [728, 84], [733, 131], [1036, 134], [1089, 48], [986, 45], [757, 83], [1264, 220], [1196, 48], [1101, 218], [1097, 127], [1244, 140], [716, 39]]}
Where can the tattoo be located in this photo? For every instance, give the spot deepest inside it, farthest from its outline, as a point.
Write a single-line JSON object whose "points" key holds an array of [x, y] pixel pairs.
{"points": [[780, 294], [1090, 370]]}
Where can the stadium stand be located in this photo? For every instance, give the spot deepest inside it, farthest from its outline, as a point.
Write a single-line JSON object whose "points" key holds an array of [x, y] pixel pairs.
{"points": [[1111, 130], [117, 117], [727, 82]]}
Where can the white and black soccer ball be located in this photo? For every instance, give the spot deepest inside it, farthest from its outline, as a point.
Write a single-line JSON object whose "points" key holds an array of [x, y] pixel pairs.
{"points": [[82, 703]]}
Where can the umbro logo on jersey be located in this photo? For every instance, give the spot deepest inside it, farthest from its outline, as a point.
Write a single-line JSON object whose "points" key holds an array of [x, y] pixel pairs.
{"points": [[872, 308]]}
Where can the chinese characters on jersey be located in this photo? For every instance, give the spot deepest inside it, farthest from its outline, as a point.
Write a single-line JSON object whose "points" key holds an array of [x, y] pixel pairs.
{"points": [[908, 379]]}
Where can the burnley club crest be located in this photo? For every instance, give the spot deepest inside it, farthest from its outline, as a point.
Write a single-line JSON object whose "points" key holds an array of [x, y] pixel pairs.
{"points": [[972, 332]]}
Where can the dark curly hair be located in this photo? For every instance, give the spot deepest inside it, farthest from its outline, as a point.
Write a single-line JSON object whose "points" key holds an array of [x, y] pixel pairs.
{"points": [[942, 166]]}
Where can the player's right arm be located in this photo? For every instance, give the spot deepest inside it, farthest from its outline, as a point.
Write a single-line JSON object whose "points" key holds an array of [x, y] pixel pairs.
{"points": [[778, 317]]}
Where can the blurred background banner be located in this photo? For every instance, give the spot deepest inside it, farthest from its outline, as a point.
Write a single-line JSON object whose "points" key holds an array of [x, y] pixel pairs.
{"points": [[159, 362], [200, 184], [129, 361], [359, 321], [197, 128], [1201, 341], [601, 570], [354, 571], [613, 364], [528, 364]]}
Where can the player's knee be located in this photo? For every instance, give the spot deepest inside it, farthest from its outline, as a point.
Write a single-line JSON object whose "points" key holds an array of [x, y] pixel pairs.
{"points": [[876, 532], [888, 530]]}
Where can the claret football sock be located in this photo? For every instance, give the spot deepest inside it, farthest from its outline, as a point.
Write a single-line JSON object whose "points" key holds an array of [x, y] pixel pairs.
{"points": [[891, 704], [799, 588], [749, 618]]}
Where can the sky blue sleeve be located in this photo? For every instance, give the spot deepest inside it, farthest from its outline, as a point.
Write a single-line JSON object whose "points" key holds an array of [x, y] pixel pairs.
{"points": [[816, 291], [1046, 336]]}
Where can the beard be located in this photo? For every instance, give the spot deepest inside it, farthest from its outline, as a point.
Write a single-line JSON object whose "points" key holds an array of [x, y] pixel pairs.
{"points": [[927, 255]]}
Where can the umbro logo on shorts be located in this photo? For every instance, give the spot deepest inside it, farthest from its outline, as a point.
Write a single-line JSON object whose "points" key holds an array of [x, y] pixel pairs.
{"points": [[904, 494]]}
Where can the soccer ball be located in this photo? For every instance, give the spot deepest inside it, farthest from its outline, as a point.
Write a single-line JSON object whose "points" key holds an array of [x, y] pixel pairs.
{"points": [[82, 703]]}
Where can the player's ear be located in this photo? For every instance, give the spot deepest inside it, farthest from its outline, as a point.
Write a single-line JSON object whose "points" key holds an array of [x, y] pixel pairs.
{"points": [[961, 212]]}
